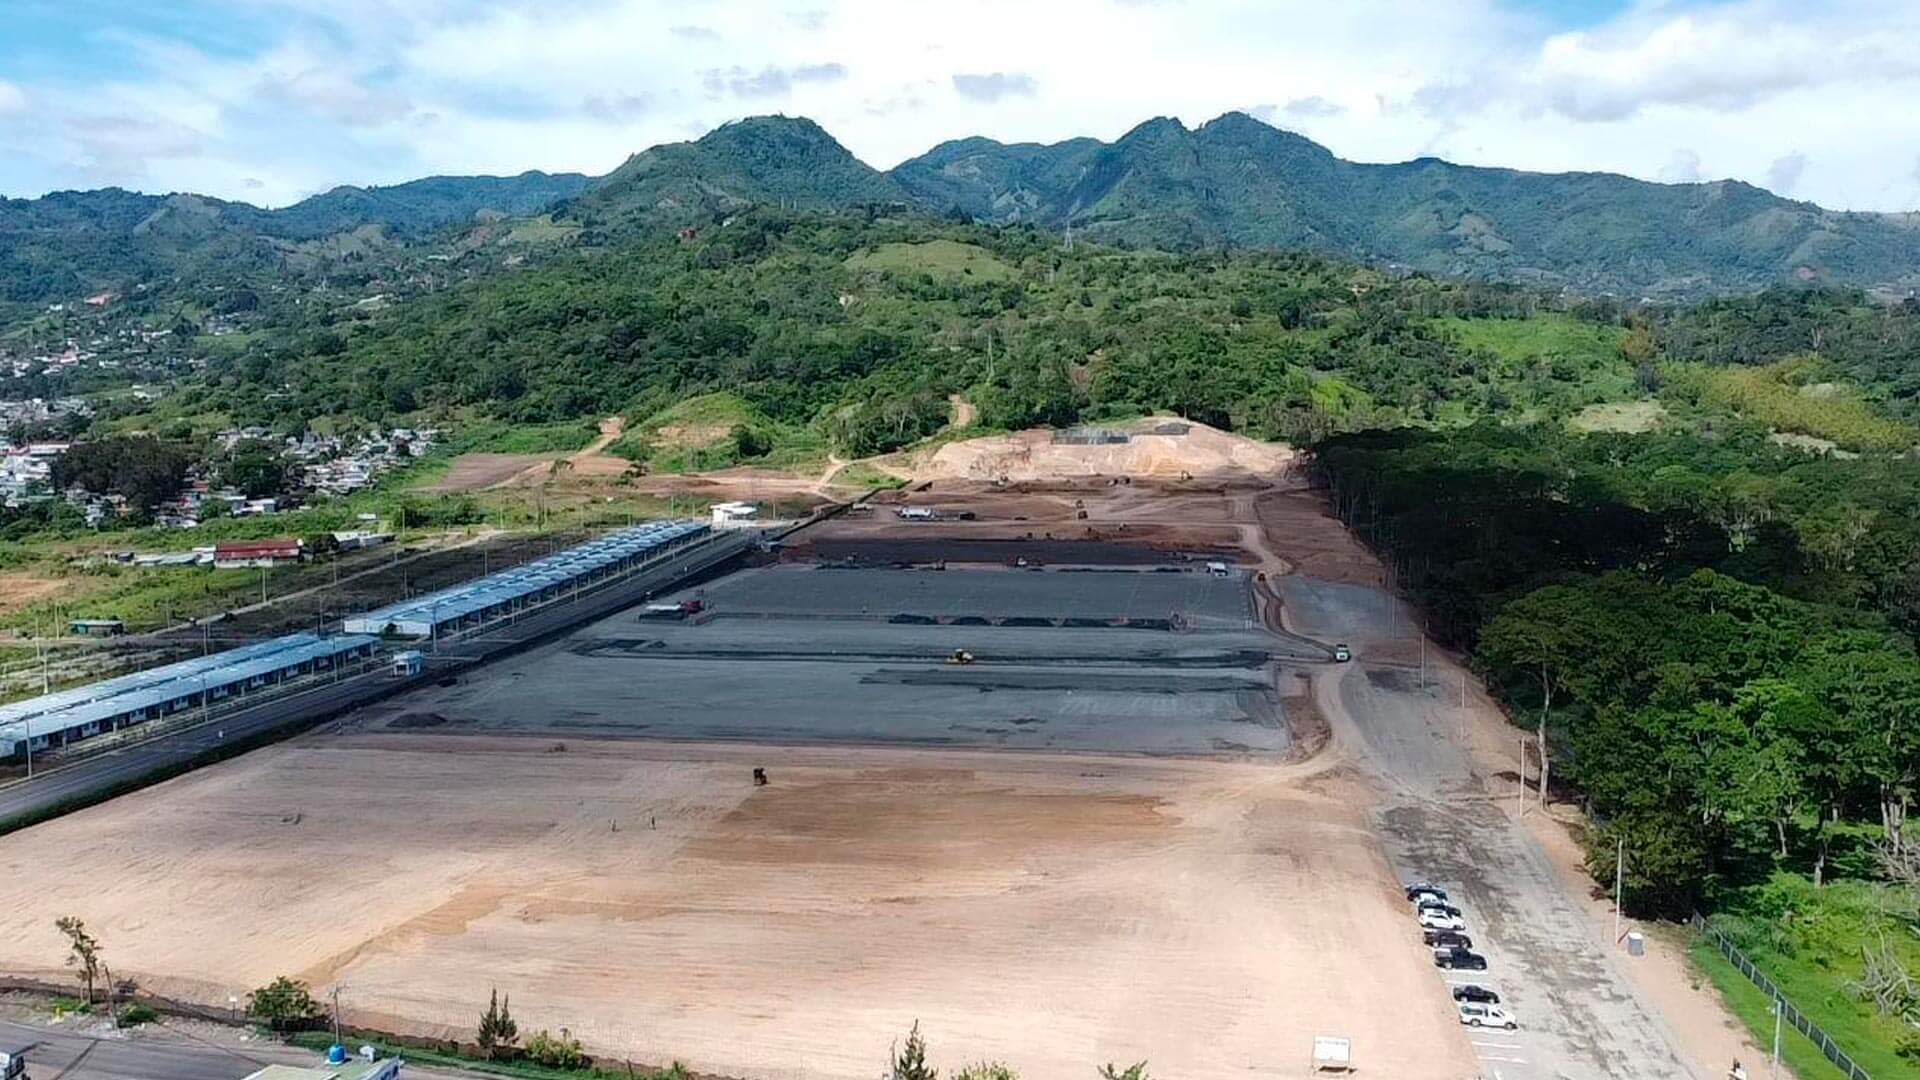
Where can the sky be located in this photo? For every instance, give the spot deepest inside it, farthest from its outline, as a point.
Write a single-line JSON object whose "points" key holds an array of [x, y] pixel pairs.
{"points": [[270, 101]]}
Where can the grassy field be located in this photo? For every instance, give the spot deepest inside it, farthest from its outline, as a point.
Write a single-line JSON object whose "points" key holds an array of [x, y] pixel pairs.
{"points": [[1628, 417], [540, 230], [1551, 365], [1787, 397], [864, 477], [499, 437], [1810, 943], [1590, 345], [1746, 1002], [718, 431], [937, 258]]}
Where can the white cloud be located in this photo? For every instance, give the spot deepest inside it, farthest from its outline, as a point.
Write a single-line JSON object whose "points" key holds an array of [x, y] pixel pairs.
{"points": [[1784, 174], [770, 81], [370, 91], [994, 86], [1682, 168]]}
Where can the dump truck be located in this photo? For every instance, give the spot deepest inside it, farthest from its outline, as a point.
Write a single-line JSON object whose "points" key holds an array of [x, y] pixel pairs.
{"points": [[672, 611]]}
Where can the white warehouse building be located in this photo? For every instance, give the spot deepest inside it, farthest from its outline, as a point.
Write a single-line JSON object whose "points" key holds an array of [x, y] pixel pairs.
{"points": [[529, 584]]}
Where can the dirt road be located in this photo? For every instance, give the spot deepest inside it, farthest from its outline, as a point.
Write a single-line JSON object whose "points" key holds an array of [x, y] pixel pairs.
{"points": [[1440, 818]]}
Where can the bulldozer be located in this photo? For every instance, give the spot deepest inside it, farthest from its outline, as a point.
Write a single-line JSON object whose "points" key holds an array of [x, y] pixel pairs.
{"points": [[960, 656]]}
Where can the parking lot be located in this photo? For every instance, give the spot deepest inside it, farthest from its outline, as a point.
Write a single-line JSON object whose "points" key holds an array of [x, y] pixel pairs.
{"points": [[1440, 820]]}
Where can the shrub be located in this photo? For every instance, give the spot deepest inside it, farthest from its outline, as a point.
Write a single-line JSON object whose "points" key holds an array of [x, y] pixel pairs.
{"points": [[556, 1051], [136, 1014], [284, 1004]]}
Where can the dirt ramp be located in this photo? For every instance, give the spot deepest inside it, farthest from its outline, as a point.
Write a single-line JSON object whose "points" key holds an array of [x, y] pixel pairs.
{"points": [[1156, 447]]}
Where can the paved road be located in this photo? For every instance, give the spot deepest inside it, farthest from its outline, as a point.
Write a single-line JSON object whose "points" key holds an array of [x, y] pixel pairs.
{"points": [[157, 1052], [1439, 820], [125, 766], [76, 1055]]}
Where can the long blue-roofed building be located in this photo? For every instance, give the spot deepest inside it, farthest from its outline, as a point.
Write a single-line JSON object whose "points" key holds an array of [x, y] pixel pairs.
{"points": [[530, 584], [57, 719]]}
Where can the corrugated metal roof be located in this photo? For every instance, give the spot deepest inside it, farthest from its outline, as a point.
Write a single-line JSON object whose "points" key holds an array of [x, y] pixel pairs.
{"points": [[557, 570], [122, 684], [221, 671]]}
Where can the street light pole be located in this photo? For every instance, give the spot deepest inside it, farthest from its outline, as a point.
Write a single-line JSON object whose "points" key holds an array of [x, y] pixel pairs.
{"points": [[1774, 1069]]}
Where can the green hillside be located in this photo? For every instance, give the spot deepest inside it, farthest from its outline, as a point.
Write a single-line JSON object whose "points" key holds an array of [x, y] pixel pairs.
{"points": [[762, 159], [1237, 181]]}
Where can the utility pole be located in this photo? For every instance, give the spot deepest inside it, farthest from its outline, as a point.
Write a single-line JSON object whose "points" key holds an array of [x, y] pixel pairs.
{"points": [[336, 1016], [1520, 794], [1619, 876]]}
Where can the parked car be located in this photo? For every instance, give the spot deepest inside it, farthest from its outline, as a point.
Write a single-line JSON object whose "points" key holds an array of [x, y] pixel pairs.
{"points": [[1439, 906], [1441, 938], [1342, 654], [1486, 1016], [1457, 957], [1416, 888], [1475, 993], [1433, 919]]}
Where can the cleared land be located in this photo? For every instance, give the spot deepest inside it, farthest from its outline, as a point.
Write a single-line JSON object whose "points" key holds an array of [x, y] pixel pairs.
{"points": [[474, 472], [1050, 910], [1202, 879]]}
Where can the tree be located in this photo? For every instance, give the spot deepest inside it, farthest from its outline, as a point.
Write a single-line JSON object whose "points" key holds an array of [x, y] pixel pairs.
{"points": [[255, 469], [83, 950], [1135, 1071], [910, 1061], [987, 1070], [498, 1031], [284, 1004], [142, 469]]}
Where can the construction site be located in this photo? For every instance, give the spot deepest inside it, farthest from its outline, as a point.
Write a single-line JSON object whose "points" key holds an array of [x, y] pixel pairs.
{"points": [[1055, 752]]}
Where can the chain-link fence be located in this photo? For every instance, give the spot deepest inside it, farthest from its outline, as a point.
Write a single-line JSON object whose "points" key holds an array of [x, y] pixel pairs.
{"points": [[1788, 1012]]}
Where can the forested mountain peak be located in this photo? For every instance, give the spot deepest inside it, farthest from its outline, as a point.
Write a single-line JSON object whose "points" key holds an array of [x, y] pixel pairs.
{"points": [[783, 159], [1234, 181], [1238, 181]]}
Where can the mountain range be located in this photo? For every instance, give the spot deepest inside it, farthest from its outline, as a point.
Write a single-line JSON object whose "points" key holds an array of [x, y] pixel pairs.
{"points": [[1233, 181]]}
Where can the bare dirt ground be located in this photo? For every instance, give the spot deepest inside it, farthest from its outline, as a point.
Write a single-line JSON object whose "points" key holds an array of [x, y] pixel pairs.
{"points": [[1033, 455], [19, 589], [1054, 911], [475, 472]]}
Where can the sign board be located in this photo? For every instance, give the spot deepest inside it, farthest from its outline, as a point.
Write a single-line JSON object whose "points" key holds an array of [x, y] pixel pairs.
{"points": [[1332, 1054]]}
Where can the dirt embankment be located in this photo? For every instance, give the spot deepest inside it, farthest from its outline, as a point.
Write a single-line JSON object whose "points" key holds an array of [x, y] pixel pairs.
{"points": [[1195, 451]]}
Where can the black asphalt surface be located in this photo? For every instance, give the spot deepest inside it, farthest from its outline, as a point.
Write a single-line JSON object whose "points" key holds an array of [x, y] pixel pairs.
{"points": [[91, 778], [76, 1055]]}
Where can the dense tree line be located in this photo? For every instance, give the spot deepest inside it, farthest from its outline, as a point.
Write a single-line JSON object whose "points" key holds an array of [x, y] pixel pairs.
{"points": [[1713, 633]]}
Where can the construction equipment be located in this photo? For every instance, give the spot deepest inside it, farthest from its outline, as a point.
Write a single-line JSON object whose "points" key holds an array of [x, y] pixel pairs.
{"points": [[960, 656], [759, 777]]}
